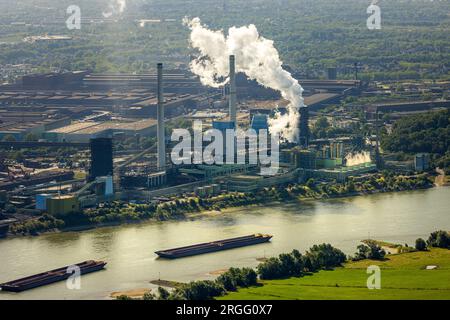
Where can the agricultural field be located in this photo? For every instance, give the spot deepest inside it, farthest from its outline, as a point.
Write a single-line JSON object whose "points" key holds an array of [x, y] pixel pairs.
{"points": [[403, 276]]}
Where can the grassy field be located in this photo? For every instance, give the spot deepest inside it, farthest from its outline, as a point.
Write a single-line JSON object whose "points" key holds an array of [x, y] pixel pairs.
{"points": [[403, 276]]}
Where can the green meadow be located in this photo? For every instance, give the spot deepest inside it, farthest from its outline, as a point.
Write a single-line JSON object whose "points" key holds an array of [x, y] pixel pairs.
{"points": [[403, 276]]}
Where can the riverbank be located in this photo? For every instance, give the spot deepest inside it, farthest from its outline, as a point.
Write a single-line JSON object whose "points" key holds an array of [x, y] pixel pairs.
{"points": [[118, 213], [403, 277], [415, 273], [132, 263], [442, 180]]}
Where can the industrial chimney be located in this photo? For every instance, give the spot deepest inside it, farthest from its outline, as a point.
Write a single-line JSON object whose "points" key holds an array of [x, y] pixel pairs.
{"points": [[304, 133], [161, 127], [233, 94]]}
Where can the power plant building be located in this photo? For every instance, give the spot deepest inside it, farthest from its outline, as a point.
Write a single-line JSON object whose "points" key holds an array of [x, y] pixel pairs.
{"points": [[422, 162], [101, 158], [260, 122], [62, 205]]}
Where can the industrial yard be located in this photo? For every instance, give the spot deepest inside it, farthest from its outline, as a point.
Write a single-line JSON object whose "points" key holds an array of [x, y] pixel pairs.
{"points": [[110, 131]]}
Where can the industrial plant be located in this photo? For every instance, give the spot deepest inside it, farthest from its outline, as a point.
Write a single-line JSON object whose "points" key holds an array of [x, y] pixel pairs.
{"points": [[96, 113], [92, 139], [224, 150]]}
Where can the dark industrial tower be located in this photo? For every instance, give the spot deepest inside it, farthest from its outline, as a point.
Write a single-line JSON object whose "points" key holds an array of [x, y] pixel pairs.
{"points": [[304, 133], [101, 158]]}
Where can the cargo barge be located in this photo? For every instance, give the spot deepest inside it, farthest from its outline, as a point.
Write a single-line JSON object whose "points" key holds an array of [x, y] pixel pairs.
{"points": [[209, 247], [45, 278]]}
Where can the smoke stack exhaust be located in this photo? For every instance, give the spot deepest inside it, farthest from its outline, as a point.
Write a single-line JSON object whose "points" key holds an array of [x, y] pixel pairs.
{"points": [[161, 127], [233, 93]]}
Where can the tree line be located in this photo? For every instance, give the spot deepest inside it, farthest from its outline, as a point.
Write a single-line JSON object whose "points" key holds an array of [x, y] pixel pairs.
{"points": [[422, 133], [286, 265]]}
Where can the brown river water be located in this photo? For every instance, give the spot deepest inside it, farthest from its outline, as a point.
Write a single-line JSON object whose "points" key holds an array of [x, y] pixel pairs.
{"points": [[132, 263]]}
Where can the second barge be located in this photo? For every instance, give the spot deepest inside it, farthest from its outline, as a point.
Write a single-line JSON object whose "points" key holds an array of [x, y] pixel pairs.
{"points": [[49, 277], [208, 247]]}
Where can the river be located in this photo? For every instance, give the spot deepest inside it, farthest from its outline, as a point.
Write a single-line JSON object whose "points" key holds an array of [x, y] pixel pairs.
{"points": [[129, 249]]}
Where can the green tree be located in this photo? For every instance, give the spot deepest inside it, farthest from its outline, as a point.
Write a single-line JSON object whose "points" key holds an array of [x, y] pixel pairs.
{"points": [[327, 256], [227, 281], [371, 250], [149, 296], [270, 269], [439, 239], [124, 298], [163, 293], [421, 245], [202, 290]]}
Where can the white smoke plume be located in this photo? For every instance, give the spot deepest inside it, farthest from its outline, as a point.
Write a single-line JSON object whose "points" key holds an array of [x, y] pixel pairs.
{"points": [[115, 7], [257, 57], [358, 158]]}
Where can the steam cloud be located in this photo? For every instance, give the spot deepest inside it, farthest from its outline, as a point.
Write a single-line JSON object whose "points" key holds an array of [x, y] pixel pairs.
{"points": [[115, 7], [256, 57], [358, 158]]}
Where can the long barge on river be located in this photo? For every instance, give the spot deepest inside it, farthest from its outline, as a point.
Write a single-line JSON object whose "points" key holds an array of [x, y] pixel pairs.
{"points": [[209, 247], [45, 278]]}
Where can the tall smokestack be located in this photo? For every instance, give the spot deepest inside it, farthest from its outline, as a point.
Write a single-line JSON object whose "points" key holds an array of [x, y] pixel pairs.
{"points": [[160, 115], [233, 94], [304, 127]]}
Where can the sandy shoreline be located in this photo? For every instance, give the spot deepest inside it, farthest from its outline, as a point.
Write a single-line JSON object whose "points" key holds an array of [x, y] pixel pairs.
{"points": [[134, 293]]}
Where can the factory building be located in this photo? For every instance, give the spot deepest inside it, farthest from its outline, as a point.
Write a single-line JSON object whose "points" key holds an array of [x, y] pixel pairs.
{"points": [[326, 162], [53, 80], [135, 103], [303, 158], [62, 205], [340, 174], [208, 191], [422, 162], [253, 182], [157, 179], [176, 81], [85, 131], [325, 157], [260, 122], [41, 201], [19, 130], [224, 127], [212, 171], [39, 178]]}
